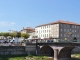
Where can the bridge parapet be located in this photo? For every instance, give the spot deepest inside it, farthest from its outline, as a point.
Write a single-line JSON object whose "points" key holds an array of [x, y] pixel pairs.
{"points": [[59, 44]]}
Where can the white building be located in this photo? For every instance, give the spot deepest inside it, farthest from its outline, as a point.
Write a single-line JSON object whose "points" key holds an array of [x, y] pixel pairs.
{"points": [[43, 31], [29, 30], [62, 30]]}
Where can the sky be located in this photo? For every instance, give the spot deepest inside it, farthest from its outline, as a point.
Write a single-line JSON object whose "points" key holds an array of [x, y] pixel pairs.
{"points": [[16, 14]]}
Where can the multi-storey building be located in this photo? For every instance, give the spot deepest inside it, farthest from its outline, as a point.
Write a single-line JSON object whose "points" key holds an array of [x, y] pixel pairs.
{"points": [[29, 30], [62, 30]]}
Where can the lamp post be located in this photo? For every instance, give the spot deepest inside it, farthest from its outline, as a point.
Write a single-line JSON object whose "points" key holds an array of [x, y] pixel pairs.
{"points": [[9, 33]]}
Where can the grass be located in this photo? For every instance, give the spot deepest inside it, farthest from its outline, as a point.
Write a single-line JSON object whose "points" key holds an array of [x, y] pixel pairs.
{"points": [[38, 58], [12, 57], [31, 57]]}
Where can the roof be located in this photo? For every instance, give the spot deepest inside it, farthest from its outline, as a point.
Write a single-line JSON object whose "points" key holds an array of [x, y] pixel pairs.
{"points": [[60, 21], [29, 29]]}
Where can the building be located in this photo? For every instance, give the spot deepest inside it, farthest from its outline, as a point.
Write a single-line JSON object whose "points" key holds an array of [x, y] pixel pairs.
{"points": [[29, 30], [62, 30]]}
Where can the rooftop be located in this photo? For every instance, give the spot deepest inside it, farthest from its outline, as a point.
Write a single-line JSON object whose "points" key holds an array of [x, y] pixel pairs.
{"points": [[60, 21], [29, 29]]}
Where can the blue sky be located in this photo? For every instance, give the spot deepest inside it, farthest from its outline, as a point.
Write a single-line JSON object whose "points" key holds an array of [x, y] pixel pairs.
{"points": [[16, 14]]}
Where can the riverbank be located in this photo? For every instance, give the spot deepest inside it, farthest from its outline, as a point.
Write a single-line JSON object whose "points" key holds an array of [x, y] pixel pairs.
{"points": [[30, 57]]}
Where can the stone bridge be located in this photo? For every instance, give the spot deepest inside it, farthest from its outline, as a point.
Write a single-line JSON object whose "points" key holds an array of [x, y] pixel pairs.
{"points": [[58, 50]]}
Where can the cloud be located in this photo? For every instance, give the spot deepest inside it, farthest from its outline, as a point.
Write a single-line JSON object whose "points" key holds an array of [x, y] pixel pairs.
{"points": [[6, 23]]}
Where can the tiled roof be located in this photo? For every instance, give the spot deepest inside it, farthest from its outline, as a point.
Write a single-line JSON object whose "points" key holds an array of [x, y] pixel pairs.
{"points": [[29, 29], [59, 21]]}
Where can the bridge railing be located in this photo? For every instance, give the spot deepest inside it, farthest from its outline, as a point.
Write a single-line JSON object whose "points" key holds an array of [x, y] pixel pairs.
{"points": [[34, 41], [49, 41]]}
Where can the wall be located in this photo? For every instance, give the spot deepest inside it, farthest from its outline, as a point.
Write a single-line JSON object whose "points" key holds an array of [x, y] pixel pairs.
{"points": [[12, 50], [31, 48]]}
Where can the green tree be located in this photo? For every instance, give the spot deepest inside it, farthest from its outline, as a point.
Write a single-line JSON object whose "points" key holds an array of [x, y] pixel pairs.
{"points": [[25, 35], [1, 34], [5, 34], [18, 34], [75, 39], [13, 34]]}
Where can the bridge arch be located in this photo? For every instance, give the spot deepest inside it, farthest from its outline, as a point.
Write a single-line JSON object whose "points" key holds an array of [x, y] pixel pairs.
{"points": [[65, 52], [47, 51]]}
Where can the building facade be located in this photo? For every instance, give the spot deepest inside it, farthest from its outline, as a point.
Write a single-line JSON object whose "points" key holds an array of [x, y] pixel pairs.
{"points": [[62, 30], [29, 30]]}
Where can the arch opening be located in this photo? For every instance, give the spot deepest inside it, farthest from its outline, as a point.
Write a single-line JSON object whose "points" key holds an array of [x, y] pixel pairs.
{"points": [[65, 52], [46, 51]]}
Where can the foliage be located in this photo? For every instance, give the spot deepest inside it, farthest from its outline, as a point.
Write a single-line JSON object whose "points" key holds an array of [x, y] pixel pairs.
{"points": [[25, 35], [30, 55], [13, 34], [75, 39], [18, 34], [4, 34]]}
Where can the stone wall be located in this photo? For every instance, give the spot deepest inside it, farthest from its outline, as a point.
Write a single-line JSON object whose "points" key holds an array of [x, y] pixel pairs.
{"points": [[12, 50], [31, 49], [76, 50]]}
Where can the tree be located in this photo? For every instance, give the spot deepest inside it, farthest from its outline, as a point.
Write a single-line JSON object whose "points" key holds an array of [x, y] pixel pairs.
{"points": [[5, 34], [75, 39], [25, 35], [1, 34], [13, 34], [18, 34]]}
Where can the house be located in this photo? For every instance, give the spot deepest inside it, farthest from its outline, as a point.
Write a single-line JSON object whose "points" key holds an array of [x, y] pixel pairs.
{"points": [[29, 30], [62, 30]]}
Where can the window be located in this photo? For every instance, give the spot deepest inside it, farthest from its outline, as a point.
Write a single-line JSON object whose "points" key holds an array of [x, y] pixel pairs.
{"points": [[47, 35], [45, 27], [72, 26], [41, 27], [64, 35], [64, 30], [43, 35], [45, 31], [73, 35], [61, 35], [61, 25], [61, 29]]}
